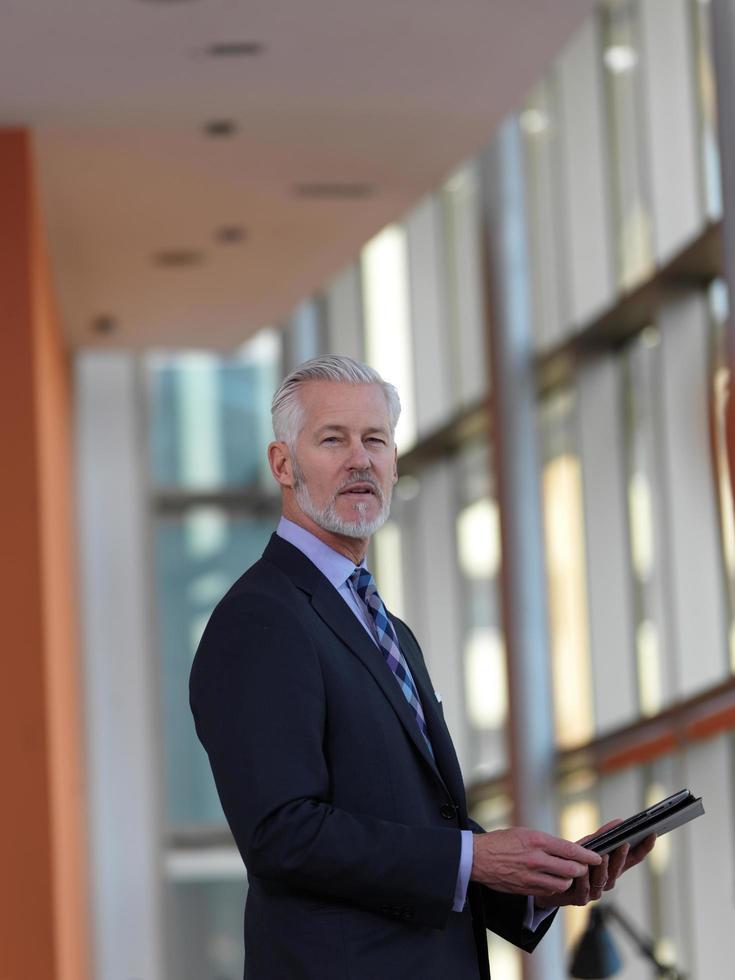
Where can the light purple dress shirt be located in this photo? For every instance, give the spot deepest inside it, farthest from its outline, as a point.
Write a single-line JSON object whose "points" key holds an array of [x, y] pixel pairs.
{"points": [[337, 569]]}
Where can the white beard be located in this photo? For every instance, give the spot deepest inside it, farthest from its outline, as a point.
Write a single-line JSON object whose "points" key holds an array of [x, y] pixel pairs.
{"points": [[328, 518]]}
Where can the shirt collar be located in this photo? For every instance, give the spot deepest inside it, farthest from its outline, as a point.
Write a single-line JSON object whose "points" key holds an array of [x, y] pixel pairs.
{"points": [[334, 566]]}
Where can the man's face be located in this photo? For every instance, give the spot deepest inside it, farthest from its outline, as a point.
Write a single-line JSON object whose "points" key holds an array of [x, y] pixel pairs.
{"points": [[344, 463]]}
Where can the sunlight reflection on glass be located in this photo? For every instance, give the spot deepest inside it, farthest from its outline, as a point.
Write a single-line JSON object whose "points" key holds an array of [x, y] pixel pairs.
{"points": [[486, 690], [478, 539]]}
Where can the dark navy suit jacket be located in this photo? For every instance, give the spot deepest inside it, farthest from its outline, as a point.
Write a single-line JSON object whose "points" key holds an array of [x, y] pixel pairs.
{"points": [[346, 825]]}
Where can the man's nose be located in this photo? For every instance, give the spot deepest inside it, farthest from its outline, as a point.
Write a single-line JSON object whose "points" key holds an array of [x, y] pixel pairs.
{"points": [[358, 458]]}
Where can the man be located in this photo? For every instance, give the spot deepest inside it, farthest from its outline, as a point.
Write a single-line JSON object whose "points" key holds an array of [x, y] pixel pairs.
{"points": [[332, 761]]}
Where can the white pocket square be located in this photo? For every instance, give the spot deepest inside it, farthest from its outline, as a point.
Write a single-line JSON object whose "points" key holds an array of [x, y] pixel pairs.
{"points": [[438, 696]]}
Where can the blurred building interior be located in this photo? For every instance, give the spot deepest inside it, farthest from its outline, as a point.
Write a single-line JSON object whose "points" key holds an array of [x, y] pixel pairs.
{"points": [[515, 213]]}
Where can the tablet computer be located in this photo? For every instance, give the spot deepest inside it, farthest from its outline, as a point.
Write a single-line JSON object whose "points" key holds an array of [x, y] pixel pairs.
{"points": [[666, 815]]}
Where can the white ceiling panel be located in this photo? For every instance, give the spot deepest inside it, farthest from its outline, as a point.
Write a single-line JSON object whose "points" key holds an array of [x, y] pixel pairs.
{"points": [[391, 95]]}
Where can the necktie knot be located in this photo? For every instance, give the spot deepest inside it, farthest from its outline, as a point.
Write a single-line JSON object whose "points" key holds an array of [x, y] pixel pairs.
{"points": [[362, 581]]}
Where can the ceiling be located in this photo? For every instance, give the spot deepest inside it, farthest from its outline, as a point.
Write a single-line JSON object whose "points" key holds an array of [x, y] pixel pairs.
{"points": [[382, 99]]}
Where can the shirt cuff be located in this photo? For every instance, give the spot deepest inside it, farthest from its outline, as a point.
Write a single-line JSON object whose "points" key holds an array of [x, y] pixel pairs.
{"points": [[463, 872], [534, 917]]}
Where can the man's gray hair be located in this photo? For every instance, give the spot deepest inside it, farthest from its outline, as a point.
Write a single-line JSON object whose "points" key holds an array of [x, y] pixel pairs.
{"points": [[287, 411]]}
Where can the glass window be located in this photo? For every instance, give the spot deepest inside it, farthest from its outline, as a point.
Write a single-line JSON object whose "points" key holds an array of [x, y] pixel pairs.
{"points": [[539, 126], [479, 556], [204, 921], [643, 440], [304, 334], [621, 58], [215, 506], [721, 385], [387, 318], [387, 546], [707, 99], [198, 555], [700, 881], [433, 345], [561, 487], [463, 236], [665, 869], [210, 417]]}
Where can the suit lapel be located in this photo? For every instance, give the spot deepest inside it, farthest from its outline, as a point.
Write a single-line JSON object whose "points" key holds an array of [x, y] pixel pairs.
{"points": [[334, 611], [446, 757], [337, 615]]}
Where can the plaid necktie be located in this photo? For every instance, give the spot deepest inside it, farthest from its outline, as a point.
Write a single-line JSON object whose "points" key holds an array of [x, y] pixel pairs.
{"points": [[364, 585]]}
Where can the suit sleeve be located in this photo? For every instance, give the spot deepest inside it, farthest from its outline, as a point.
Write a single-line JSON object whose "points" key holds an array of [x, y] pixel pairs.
{"points": [[258, 701]]}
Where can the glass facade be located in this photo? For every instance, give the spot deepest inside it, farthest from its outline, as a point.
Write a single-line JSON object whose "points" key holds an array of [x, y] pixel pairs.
{"points": [[198, 557], [645, 516], [210, 418], [707, 99], [638, 540], [460, 205], [477, 533], [387, 317], [205, 926], [561, 484], [719, 394], [540, 125], [621, 57], [214, 508]]}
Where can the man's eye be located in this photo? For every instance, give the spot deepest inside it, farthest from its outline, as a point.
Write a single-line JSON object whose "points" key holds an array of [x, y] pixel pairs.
{"points": [[376, 439], [329, 439]]}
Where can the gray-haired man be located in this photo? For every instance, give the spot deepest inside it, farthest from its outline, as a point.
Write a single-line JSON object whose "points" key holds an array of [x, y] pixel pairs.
{"points": [[328, 746]]}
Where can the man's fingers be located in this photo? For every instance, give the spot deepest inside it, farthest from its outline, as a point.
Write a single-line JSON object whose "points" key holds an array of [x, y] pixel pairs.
{"points": [[544, 885], [617, 861], [599, 877], [558, 867], [523, 861], [565, 869], [573, 852], [640, 851], [626, 857]]}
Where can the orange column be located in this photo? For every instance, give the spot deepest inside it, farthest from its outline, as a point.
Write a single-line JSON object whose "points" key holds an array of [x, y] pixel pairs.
{"points": [[43, 905]]}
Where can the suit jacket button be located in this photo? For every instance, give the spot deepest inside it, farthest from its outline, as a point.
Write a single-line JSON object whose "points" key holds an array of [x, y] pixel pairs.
{"points": [[448, 811]]}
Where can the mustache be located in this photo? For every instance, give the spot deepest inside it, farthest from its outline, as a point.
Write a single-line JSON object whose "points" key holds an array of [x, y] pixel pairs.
{"points": [[361, 477]]}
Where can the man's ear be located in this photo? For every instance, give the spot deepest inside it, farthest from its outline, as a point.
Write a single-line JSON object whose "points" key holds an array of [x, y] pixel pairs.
{"points": [[395, 466], [279, 459]]}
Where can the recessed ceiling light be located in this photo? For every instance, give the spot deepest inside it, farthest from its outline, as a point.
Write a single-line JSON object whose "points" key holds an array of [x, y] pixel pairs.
{"points": [[335, 190], [235, 49], [219, 128], [177, 258], [104, 324], [620, 58], [230, 234]]}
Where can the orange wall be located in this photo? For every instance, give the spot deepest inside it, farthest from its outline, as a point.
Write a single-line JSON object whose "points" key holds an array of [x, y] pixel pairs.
{"points": [[43, 905]]}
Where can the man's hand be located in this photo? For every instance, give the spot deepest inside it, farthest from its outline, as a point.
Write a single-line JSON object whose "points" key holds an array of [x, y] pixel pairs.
{"points": [[589, 888], [530, 862]]}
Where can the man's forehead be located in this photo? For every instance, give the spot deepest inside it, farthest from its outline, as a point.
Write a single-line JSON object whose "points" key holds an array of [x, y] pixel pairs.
{"points": [[341, 402]]}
